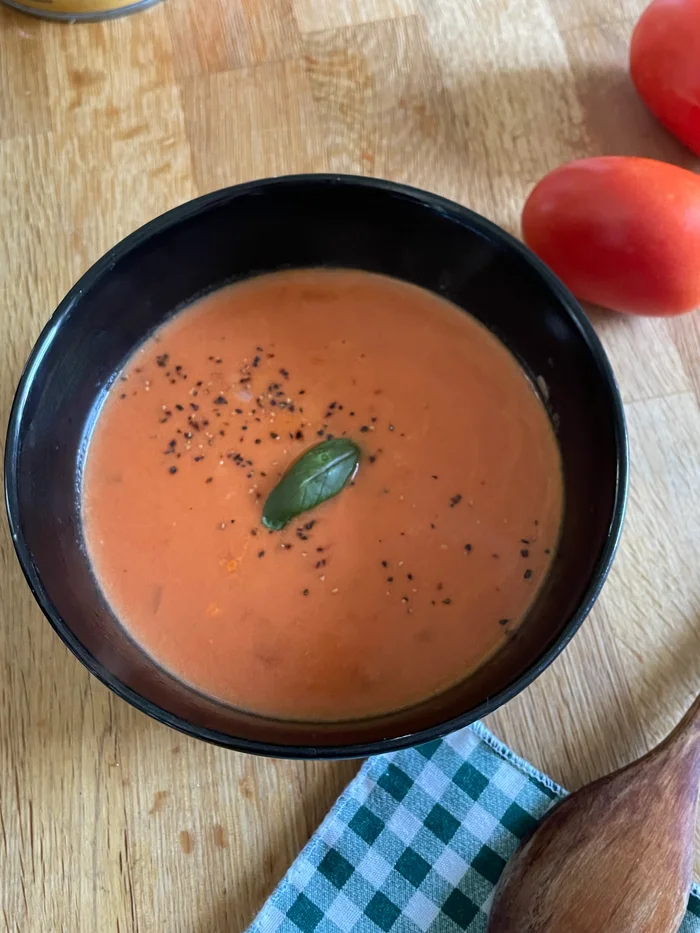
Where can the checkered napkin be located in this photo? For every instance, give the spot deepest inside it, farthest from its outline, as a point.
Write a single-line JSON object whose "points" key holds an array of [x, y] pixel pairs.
{"points": [[417, 842]]}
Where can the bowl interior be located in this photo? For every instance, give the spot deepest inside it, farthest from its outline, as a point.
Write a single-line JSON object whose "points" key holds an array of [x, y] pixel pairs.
{"points": [[312, 221]]}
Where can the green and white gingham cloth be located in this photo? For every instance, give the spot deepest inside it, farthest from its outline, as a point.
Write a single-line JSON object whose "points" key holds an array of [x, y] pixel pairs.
{"points": [[416, 843]]}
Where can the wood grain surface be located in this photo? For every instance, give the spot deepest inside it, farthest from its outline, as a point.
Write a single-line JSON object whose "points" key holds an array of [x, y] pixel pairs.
{"points": [[108, 821]]}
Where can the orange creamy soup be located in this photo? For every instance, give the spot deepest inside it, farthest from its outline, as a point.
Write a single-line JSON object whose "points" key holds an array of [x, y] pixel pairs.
{"points": [[407, 580]]}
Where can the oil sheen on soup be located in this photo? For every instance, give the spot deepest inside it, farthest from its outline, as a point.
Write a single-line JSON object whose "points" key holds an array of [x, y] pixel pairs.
{"points": [[401, 585]]}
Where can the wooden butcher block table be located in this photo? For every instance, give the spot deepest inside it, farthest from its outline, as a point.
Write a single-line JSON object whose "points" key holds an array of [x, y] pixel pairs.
{"points": [[108, 820]]}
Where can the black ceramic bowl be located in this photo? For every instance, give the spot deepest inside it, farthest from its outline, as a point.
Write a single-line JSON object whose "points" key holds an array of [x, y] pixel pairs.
{"points": [[300, 221]]}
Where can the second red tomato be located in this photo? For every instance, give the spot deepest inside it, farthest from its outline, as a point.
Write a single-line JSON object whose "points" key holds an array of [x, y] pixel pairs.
{"points": [[620, 232]]}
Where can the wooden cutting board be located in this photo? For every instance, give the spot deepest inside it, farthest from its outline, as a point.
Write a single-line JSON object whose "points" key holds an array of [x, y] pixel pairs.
{"points": [[108, 821]]}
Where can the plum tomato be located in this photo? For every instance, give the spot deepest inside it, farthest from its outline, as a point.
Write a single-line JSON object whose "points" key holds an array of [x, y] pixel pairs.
{"points": [[665, 66], [621, 232]]}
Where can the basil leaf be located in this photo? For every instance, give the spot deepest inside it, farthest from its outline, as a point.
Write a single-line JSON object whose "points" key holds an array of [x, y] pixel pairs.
{"points": [[319, 474]]}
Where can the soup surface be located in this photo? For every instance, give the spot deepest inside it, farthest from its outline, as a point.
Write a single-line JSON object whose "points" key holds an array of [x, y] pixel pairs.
{"points": [[395, 589]]}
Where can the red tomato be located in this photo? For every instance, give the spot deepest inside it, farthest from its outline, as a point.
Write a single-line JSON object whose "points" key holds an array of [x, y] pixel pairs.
{"points": [[620, 232], [665, 66]]}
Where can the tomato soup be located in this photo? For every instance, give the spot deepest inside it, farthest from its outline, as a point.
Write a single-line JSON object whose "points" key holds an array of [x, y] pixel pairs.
{"points": [[395, 589]]}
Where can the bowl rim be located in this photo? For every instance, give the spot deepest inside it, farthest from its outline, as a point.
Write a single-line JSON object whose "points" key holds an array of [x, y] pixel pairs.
{"points": [[457, 213]]}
